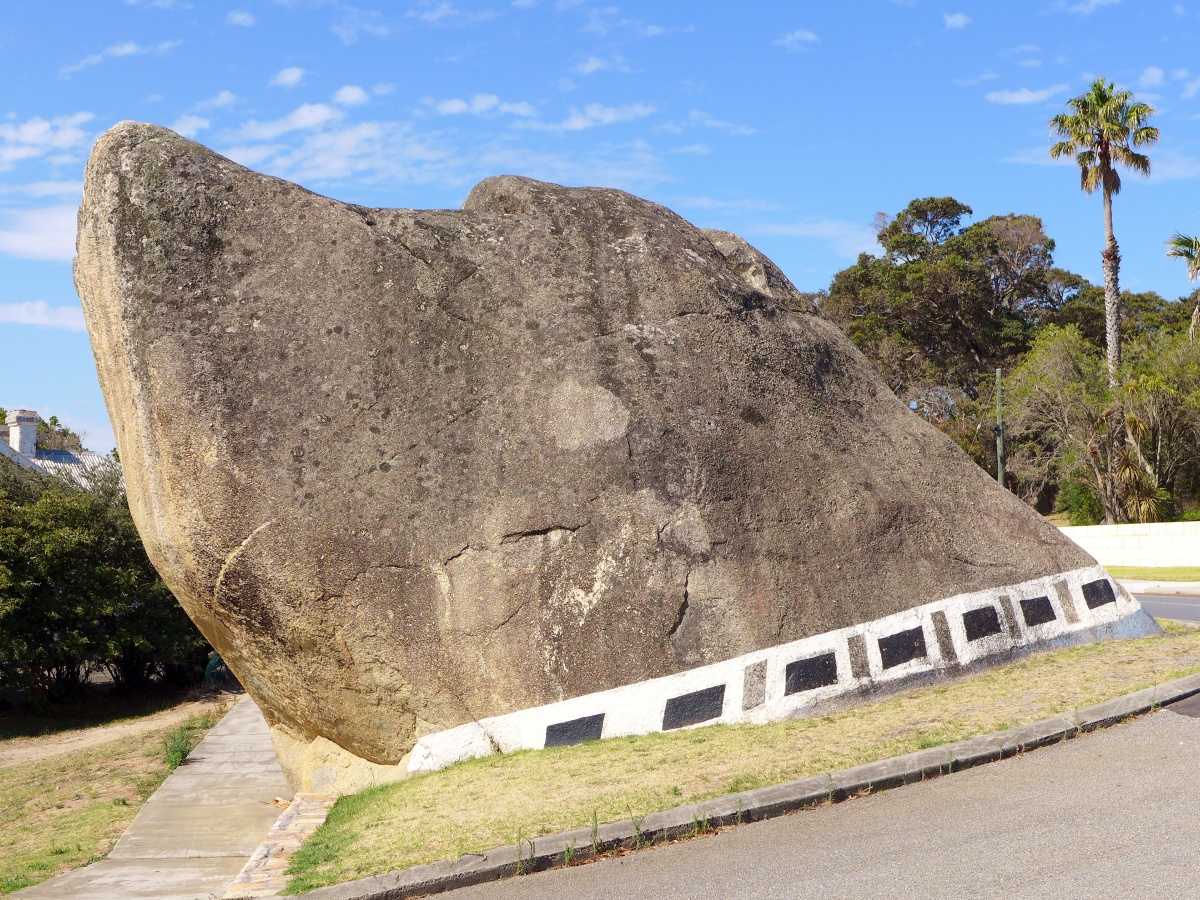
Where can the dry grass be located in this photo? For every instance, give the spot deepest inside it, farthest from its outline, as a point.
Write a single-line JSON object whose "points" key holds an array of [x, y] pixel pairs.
{"points": [[480, 804], [59, 813], [1153, 573]]}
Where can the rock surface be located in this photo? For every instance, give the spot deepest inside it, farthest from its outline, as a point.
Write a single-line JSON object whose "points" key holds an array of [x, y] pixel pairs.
{"points": [[408, 468]]}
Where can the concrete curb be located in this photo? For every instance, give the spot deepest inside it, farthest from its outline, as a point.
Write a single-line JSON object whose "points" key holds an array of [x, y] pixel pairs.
{"points": [[751, 806]]}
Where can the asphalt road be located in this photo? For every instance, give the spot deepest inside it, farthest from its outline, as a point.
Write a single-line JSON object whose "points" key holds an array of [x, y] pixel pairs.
{"points": [[1186, 609], [1109, 814]]}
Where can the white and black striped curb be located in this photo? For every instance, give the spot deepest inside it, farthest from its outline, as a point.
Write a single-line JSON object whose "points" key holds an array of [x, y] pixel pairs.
{"points": [[751, 806]]}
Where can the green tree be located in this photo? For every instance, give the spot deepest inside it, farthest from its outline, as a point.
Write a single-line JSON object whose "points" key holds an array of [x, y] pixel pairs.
{"points": [[946, 303], [1100, 132], [77, 592], [1061, 418], [1187, 248]]}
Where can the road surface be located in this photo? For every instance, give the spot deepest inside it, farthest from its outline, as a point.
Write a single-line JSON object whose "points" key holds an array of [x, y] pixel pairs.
{"points": [[1109, 814], [1161, 606]]}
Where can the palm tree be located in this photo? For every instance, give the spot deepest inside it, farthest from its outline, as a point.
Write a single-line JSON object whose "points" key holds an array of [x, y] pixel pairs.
{"points": [[1188, 249], [1100, 132]]}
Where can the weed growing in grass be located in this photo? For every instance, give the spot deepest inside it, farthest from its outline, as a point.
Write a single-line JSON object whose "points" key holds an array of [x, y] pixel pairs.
{"points": [[181, 740], [639, 839], [569, 854], [595, 833]]}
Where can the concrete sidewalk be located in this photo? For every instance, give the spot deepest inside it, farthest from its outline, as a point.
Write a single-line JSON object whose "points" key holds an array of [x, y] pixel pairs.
{"points": [[1180, 588], [192, 837]]}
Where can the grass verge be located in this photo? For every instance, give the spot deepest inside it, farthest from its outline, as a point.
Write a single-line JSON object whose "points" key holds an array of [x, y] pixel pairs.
{"points": [[480, 804], [1153, 573], [59, 813]]}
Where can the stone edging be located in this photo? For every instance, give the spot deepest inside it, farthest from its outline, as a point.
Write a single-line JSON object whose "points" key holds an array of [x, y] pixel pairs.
{"points": [[264, 873], [751, 806]]}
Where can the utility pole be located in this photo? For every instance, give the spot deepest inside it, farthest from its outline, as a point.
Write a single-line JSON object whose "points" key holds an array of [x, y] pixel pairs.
{"points": [[999, 427]]}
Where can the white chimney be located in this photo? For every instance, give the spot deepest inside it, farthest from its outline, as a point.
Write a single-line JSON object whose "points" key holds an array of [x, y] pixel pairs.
{"points": [[22, 431]]}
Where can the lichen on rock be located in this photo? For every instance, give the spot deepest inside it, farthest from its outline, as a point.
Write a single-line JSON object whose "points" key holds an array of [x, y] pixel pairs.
{"points": [[411, 468]]}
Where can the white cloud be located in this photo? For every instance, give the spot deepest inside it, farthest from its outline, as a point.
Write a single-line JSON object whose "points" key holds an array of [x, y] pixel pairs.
{"points": [[480, 104], [222, 99], [1036, 156], [434, 12], [595, 114], [302, 118], [594, 64], [848, 239], [986, 76], [378, 150], [239, 17], [603, 20], [440, 12], [1180, 74], [1030, 63], [1025, 95], [44, 188], [38, 312], [956, 20], [739, 205], [350, 95], [47, 233], [289, 77], [698, 119], [1020, 50], [1172, 166], [1190, 90], [1082, 7], [190, 125], [796, 40], [37, 137], [116, 51], [1152, 76], [355, 22]]}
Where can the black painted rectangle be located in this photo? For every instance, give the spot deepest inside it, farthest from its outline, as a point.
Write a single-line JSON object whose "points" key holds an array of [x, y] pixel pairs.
{"points": [[981, 623], [1098, 593], [576, 731], [810, 674], [1037, 611], [901, 647], [694, 708]]}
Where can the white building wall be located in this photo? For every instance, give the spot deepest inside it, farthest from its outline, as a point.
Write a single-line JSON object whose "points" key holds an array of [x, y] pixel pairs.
{"points": [[1159, 544]]}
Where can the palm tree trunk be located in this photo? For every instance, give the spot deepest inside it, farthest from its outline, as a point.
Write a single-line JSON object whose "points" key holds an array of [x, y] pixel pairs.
{"points": [[1111, 259]]}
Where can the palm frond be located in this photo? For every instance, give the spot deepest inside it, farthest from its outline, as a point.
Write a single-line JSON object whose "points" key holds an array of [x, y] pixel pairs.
{"points": [[1187, 248]]}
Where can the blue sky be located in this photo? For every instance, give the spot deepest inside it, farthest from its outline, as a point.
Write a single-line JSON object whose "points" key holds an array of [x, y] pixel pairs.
{"points": [[789, 123]]}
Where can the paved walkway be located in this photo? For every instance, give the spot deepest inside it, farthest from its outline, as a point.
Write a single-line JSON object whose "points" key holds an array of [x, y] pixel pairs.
{"points": [[192, 837]]}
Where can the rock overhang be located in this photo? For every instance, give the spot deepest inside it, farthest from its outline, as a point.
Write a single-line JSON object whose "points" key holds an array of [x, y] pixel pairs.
{"points": [[413, 469]]}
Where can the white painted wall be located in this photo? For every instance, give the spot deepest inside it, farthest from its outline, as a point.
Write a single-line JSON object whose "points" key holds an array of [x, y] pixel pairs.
{"points": [[1160, 544], [638, 708]]}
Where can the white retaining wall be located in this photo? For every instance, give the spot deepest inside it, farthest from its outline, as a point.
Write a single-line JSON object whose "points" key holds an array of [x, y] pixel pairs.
{"points": [[1160, 544], [803, 677]]}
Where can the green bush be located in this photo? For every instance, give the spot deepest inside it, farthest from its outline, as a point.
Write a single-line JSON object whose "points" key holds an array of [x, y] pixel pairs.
{"points": [[78, 593], [1080, 504]]}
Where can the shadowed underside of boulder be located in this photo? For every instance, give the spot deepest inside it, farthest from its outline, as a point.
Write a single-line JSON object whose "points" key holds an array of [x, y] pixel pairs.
{"points": [[408, 469]]}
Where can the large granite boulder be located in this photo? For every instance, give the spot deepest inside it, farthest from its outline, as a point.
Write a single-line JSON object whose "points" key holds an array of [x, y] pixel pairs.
{"points": [[409, 469]]}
